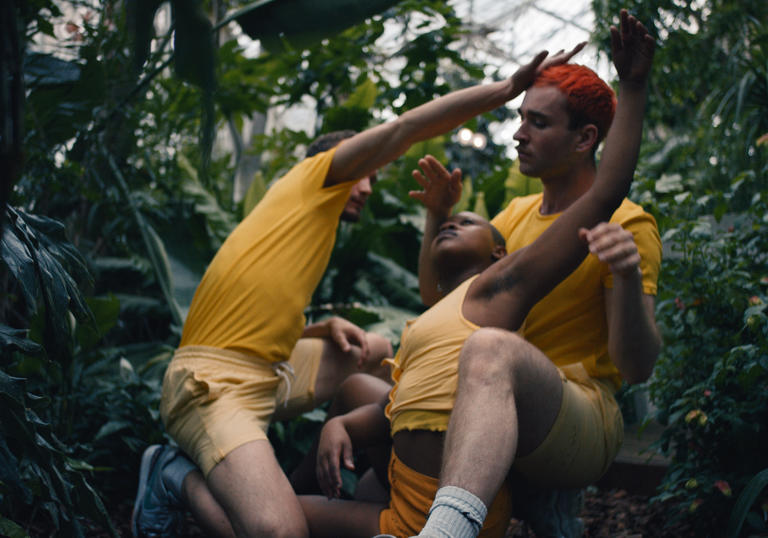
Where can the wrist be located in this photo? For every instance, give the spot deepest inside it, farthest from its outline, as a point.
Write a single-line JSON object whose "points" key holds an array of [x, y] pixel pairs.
{"points": [[629, 276]]}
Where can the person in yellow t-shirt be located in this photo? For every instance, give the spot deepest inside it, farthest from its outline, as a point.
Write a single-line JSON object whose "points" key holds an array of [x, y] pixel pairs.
{"points": [[593, 330], [555, 425], [221, 389]]}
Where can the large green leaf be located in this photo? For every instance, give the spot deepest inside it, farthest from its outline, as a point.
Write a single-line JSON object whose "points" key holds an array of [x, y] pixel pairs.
{"points": [[302, 23], [11, 339]]}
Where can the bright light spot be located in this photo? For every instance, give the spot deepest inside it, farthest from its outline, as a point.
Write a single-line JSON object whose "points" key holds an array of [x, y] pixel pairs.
{"points": [[713, 160], [465, 136], [716, 120], [479, 141]]}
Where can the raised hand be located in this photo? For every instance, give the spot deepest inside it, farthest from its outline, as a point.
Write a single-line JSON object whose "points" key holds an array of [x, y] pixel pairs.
{"points": [[632, 49], [441, 189], [526, 74], [614, 246]]}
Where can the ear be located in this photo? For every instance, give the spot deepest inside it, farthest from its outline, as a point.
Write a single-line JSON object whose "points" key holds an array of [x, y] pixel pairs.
{"points": [[587, 137], [498, 253]]}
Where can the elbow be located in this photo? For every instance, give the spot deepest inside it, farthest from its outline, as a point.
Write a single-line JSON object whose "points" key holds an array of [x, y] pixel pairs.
{"points": [[642, 369], [638, 376]]}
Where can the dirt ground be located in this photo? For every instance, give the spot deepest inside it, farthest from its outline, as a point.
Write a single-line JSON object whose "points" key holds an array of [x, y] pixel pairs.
{"points": [[606, 514]]}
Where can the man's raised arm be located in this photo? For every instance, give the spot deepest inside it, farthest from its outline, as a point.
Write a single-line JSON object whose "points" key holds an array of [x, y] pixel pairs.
{"points": [[375, 147]]}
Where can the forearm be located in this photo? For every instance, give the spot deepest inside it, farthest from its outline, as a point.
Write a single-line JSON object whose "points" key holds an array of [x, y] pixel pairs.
{"points": [[366, 425], [428, 281], [634, 340], [622, 146], [319, 329], [382, 144]]}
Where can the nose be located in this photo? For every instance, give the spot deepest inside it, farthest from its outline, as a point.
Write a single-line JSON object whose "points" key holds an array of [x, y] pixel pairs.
{"points": [[364, 186], [448, 225], [520, 135]]}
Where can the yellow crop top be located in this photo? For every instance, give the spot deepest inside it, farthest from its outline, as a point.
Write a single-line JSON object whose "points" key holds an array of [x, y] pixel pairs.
{"points": [[569, 325], [252, 296], [426, 366]]}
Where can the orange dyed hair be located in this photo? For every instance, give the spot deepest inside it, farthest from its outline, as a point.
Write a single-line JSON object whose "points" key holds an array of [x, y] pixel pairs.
{"points": [[589, 98]]}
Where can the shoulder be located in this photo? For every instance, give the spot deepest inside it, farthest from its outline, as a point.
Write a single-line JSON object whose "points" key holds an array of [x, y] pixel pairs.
{"points": [[517, 206], [630, 213]]}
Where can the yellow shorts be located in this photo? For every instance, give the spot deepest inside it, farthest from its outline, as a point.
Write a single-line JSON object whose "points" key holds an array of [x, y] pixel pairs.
{"points": [[411, 496], [215, 400], [585, 438]]}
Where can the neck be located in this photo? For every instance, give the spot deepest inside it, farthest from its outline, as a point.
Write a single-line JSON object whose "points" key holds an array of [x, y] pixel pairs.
{"points": [[449, 278], [562, 190]]}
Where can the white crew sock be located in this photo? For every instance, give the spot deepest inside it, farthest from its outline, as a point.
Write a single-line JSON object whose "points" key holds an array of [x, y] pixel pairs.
{"points": [[455, 513]]}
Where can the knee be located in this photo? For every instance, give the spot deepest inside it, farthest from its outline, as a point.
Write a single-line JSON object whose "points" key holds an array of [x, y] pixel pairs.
{"points": [[379, 347], [357, 390], [274, 527], [491, 354]]}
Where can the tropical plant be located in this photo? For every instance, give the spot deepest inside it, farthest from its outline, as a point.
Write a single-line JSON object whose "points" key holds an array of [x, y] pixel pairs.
{"points": [[703, 175], [120, 158]]}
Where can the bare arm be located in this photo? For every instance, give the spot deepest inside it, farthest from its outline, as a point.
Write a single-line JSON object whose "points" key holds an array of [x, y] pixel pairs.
{"points": [[633, 338], [505, 292], [375, 147], [361, 427], [441, 191]]}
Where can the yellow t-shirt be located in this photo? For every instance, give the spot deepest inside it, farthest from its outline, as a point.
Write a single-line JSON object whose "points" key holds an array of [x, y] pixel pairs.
{"points": [[569, 325], [253, 294], [426, 366]]}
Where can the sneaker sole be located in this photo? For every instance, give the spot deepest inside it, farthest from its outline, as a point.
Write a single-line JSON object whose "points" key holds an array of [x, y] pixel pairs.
{"points": [[148, 460]]}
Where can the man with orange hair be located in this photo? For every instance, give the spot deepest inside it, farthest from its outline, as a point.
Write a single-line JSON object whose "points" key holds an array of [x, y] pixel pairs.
{"points": [[555, 417], [540, 401]]}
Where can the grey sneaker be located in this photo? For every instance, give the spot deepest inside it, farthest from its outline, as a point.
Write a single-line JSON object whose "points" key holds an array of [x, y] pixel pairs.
{"points": [[156, 511]]}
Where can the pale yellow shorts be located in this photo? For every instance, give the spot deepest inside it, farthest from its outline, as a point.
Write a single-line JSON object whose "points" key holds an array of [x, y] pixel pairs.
{"points": [[585, 438], [215, 400]]}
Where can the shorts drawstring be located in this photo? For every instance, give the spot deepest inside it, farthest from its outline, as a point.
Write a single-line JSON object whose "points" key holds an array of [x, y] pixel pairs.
{"points": [[284, 370]]}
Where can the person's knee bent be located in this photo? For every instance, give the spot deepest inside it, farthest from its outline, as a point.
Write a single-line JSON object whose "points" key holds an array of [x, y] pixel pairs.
{"points": [[491, 355], [379, 348]]}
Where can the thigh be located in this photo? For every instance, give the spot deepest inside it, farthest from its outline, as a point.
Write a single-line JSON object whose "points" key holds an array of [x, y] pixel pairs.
{"points": [[255, 494], [584, 440], [334, 518], [211, 406]]}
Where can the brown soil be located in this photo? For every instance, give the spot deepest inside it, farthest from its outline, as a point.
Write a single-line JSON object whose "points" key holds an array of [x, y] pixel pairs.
{"points": [[618, 514]]}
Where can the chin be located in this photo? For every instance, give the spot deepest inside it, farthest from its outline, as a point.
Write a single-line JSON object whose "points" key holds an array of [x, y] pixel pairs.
{"points": [[350, 216]]}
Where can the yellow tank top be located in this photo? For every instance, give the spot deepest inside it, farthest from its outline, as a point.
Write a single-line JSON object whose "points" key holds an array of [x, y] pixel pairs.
{"points": [[569, 325], [252, 296], [426, 366]]}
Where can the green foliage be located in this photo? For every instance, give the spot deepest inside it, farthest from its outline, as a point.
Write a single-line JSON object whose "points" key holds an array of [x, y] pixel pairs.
{"points": [[703, 175], [94, 294], [39, 471]]}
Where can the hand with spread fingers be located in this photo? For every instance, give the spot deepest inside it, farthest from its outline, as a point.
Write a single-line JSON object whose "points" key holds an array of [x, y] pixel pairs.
{"points": [[632, 49], [526, 74], [441, 189]]}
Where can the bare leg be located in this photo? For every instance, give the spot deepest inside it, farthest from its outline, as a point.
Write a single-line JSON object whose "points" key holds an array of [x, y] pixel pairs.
{"points": [[508, 398], [255, 494], [336, 366], [207, 512], [334, 518]]}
